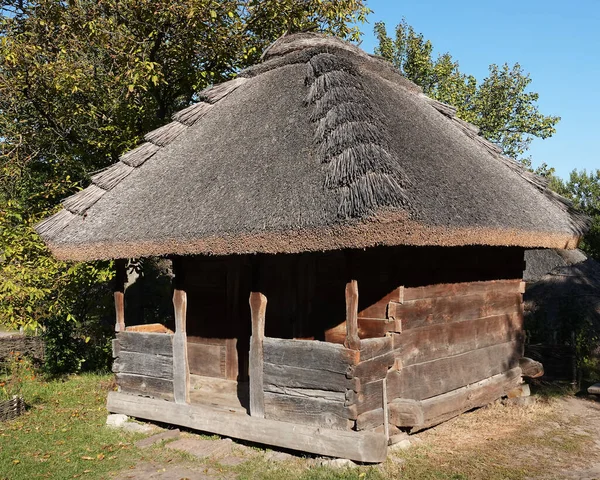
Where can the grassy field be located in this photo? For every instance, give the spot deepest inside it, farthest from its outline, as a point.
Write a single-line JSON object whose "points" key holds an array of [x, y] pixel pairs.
{"points": [[62, 435]]}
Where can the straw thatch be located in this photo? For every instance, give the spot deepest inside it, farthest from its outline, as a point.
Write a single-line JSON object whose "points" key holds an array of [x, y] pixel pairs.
{"points": [[320, 146]]}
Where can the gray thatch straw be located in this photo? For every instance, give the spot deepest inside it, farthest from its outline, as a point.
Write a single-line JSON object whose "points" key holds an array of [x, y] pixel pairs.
{"points": [[320, 146]]}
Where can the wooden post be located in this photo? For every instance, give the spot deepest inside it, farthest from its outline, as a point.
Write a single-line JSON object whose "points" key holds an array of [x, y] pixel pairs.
{"points": [[258, 307], [119, 294], [352, 340], [181, 371]]}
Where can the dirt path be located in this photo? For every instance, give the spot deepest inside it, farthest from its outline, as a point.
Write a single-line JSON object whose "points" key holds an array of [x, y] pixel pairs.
{"points": [[542, 439]]}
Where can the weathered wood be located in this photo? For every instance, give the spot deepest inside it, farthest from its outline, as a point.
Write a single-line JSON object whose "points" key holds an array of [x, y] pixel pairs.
{"points": [[352, 341], [358, 446], [308, 411], [181, 372], [386, 421], [531, 368], [309, 354], [370, 420], [231, 359], [208, 360], [379, 308], [150, 365], [119, 294], [297, 377], [375, 368], [437, 341], [434, 311], [258, 307], [428, 379], [367, 328], [150, 343], [149, 328], [330, 396], [143, 385], [374, 347], [426, 413], [370, 397]]}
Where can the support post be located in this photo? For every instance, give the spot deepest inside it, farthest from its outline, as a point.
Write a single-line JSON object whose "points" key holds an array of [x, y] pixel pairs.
{"points": [[352, 340], [258, 307], [119, 294], [181, 371]]}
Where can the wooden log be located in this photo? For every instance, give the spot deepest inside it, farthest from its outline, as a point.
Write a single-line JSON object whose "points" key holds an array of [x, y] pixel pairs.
{"points": [[352, 341], [370, 420], [149, 365], [310, 354], [426, 413], [428, 379], [374, 347], [379, 308], [258, 307], [181, 372], [437, 341], [296, 377], [143, 385], [149, 328], [308, 411], [367, 328], [328, 395], [119, 294], [370, 397], [150, 343], [357, 446], [375, 368], [531, 368]]}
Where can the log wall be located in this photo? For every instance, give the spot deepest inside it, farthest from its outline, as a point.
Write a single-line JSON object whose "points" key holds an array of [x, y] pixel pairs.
{"points": [[143, 363]]}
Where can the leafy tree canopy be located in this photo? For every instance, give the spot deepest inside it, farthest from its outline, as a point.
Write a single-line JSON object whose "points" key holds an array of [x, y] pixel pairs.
{"points": [[501, 106]]}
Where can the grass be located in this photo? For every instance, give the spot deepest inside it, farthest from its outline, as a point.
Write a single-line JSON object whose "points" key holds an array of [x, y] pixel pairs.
{"points": [[63, 435]]}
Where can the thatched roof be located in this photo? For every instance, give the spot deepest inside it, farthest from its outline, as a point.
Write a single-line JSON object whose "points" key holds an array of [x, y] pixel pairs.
{"points": [[541, 262], [320, 146]]}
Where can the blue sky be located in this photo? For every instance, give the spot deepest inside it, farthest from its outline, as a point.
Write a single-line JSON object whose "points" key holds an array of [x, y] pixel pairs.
{"points": [[557, 42]]}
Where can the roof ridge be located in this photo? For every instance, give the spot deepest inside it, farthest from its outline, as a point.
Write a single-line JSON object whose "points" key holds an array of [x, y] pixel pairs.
{"points": [[108, 178], [579, 221]]}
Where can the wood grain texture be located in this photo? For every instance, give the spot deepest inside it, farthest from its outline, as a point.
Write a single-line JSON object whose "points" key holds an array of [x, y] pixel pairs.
{"points": [[352, 340], [258, 307], [308, 411], [309, 354], [428, 379], [328, 395], [146, 386], [181, 371], [358, 446], [374, 347], [375, 368], [371, 419], [370, 397], [426, 413], [149, 328], [150, 343], [149, 365], [119, 294], [297, 377], [207, 360]]}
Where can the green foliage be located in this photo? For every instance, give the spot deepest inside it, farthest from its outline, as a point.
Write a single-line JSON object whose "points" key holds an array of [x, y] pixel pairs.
{"points": [[80, 83], [500, 105]]}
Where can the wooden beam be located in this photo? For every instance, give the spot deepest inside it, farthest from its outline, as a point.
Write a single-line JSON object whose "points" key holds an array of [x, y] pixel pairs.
{"points": [[352, 340], [258, 307], [119, 294], [181, 371], [358, 446]]}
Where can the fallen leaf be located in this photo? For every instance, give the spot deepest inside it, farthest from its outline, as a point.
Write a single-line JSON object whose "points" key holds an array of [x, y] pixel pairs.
{"points": [[85, 457], [15, 461]]}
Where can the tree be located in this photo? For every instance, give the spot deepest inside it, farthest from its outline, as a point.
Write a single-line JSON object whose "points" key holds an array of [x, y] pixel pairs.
{"points": [[81, 81], [501, 106]]}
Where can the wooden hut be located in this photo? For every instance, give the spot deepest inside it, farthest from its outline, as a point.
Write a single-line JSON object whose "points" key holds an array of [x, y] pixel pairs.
{"points": [[386, 236]]}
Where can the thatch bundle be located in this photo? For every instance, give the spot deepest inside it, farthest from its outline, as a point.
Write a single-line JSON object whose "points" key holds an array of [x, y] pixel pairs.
{"points": [[320, 146]]}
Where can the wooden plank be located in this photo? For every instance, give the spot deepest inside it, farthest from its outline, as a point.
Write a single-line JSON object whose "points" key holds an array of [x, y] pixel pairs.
{"points": [[428, 379], [426, 413], [308, 411], [151, 343], [150, 365], [370, 397], [143, 385], [374, 347], [435, 311], [328, 395], [379, 308], [358, 446], [375, 368], [258, 307], [231, 359], [310, 354], [367, 328], [207, 360], [296, 377], [437, 341], [149, 328], [181, 372], [119, 294], [370, 420], [352, 341]]}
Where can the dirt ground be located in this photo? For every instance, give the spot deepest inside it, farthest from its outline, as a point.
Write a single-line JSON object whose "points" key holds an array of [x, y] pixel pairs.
{"points": [[535, 438]]}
